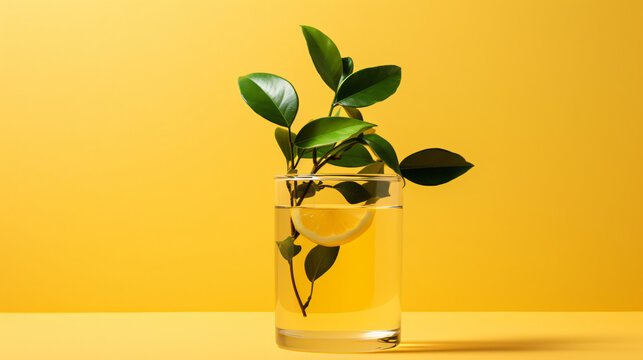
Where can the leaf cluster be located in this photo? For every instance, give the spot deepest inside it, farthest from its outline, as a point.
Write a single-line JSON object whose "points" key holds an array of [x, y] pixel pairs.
{"points": [[342, 140], [346, 141]]}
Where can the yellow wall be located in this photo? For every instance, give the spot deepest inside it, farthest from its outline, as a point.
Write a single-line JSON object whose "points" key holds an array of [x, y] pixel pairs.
{"points": [[133, 176]]}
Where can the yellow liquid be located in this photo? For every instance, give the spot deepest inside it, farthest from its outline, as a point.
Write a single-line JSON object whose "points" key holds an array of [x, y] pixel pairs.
{"points": [[359, 294]]}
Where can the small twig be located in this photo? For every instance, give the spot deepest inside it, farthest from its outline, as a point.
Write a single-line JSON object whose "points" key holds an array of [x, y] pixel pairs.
{"points": [[297, 162], [294, 286], [292, 150], [310, 296]]}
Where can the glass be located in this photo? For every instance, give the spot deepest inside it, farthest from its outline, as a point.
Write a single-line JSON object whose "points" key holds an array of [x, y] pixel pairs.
{"points": [[355, 305]]}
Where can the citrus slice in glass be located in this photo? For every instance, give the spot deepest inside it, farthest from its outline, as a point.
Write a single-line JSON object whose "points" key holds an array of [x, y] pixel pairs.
{"points": [[332, 226]]}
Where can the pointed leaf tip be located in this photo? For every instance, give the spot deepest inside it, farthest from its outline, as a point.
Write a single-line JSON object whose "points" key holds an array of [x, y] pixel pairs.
{"points": [[435, 166], [325, 56], [384, 150], [368, 86]]}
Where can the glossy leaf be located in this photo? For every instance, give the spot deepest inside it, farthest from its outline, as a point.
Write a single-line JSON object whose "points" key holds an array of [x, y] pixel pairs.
{"points": [[434, 166], [384, 151], [329, 130], [353, 112], [368, 86], [281, 135], [353, 192], [321, 150], [287, 248], [347, 67], [270, 96], [354, 157], [325, 56], [319, 260]]}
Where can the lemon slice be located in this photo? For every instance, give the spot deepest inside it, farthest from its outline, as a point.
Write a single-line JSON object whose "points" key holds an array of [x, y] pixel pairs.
{"points": [[332, 226]]}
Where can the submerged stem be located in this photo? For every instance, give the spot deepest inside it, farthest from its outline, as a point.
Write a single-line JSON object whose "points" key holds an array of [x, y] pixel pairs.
{"points": [[310, 295], [294, 286]]}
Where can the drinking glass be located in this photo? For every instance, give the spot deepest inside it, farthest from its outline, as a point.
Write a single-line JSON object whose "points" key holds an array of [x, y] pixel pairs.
{"points": [[338, 262]]}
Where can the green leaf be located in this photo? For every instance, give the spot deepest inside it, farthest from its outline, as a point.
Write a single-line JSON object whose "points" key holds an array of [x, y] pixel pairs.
{"points": [[329, 130], [281, 135], [319, 260], [353, 112], [353, 192], [270, 96], [308, 188], [287, 248], [368, 86], [374, 168], [434, 166], [354, 157], [321, 150], [347, 67], [384, 150], [377, 189], [325, 56]]}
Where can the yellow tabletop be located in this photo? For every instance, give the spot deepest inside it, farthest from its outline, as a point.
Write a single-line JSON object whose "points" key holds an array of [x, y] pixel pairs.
{"points": [[190, 336]]}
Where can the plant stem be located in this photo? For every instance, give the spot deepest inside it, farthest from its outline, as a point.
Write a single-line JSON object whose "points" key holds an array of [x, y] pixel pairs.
{"points": [[332, 106], [293, 195], [318, 166], [308, 185], [310, 295], [294, 286], [292, 151]]}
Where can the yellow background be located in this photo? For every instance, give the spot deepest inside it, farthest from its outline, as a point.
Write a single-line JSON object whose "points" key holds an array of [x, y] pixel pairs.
{"points": [[134, 178]]}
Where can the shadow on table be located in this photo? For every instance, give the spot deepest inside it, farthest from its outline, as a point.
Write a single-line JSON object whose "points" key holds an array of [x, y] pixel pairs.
{"points": [[488, 345]]}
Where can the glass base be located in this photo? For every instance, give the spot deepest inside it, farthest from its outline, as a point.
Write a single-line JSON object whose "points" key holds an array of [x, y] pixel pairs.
{"points": [[337, 341]]}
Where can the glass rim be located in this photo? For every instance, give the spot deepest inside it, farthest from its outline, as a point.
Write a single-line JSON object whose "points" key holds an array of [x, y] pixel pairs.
{"points": [[339, 177]]}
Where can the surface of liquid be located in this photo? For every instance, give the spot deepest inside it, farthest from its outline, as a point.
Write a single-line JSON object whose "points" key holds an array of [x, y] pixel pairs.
{"points": [[360, 292]]}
